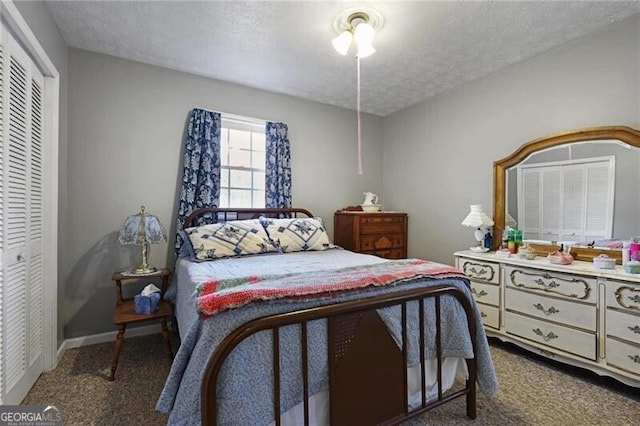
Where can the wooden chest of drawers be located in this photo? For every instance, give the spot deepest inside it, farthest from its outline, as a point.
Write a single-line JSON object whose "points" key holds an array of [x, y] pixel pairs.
{"points": [[382, 234]]}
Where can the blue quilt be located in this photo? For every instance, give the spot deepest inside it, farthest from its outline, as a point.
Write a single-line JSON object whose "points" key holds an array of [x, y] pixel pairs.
{"points": [[246, 379]]}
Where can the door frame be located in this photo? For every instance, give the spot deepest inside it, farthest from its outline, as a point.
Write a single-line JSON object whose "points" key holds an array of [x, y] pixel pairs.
{"points": [[13, 20]]}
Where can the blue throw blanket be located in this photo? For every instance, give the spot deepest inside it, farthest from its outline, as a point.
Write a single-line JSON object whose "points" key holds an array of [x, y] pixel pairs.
{"points": [[246, 382]]}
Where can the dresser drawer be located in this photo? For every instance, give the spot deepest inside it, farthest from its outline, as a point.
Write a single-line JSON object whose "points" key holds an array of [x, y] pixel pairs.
{"points": [[623, 326], [485, 293], [569, 340], [375, 242], [624, 296], [572, 287], [382, 225], [623, 355], [546, 308], [490, 315], [480, 270]]}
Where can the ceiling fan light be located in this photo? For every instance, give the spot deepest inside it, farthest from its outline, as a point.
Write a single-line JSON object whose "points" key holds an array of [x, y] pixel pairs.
{"points": [[342, 42], [364, 50], [364, 33]]}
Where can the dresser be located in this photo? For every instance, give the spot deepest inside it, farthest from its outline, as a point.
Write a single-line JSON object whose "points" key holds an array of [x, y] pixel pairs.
{"points": [[574, 313], [383, 234]]}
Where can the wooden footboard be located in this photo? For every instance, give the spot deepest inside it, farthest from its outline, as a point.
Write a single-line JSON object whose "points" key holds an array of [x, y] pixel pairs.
{"points": [[367, 370]]}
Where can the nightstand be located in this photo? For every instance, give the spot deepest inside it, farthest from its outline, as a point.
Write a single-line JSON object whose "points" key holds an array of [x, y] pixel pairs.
{"points": [[383, 234], [124, 312]]}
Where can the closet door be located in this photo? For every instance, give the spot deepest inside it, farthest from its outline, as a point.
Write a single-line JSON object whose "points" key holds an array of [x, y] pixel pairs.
{"points": [[21, 217]]}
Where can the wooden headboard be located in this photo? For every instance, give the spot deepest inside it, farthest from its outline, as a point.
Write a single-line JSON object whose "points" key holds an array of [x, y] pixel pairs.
{"points": [[218, 214]]}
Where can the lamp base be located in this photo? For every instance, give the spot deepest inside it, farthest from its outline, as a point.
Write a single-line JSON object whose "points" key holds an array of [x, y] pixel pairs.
{"points": [[144, 269], [479, 249]]}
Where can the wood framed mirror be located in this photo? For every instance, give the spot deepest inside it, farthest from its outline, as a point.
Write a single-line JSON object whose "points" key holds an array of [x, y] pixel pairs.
{"points": [[578, 146]]}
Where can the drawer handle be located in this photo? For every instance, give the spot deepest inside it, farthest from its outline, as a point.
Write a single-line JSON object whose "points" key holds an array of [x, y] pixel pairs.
{"points": [[634, 358], [547, 312], [635, 329], [479, 294], [479, 272], [552, 284], [483, 315], [548, 337]]}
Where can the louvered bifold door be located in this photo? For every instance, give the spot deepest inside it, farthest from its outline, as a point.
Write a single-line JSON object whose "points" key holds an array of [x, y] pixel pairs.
{"points": [[529, 205], [573, 197], [600, 190], [22, 223], [35, 230], [2, 144]]}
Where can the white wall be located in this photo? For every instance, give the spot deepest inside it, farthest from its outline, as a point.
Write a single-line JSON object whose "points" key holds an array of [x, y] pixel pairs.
{"points": [[126, 126], [438, 155]]}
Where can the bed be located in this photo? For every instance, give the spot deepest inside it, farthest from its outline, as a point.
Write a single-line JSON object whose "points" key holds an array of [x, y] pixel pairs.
{"points": [[386, 347]]}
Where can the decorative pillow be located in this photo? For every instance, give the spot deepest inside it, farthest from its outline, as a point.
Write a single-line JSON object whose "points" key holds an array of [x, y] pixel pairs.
{"points": [[234, 238], [185, 249], [300, 234]]}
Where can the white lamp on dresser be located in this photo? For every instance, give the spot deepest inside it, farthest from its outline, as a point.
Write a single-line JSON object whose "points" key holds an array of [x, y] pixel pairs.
{"points": [[477, 218]]}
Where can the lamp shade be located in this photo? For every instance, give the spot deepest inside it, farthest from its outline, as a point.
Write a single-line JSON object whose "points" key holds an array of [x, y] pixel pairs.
{"points": [[364, 33], [342, 42], [364, 50], [477, 217], [363, 37], [142, 228]]}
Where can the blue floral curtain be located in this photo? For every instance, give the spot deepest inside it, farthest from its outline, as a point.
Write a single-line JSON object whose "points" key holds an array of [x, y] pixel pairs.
{"points": [[201, 170], [278, 167]]}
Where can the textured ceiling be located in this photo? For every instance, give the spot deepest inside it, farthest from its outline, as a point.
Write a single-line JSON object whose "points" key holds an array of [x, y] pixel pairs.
{"points": [[423, 49]]}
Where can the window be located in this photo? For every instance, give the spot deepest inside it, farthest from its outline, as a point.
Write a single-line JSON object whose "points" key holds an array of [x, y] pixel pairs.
{"points": [[242, 163], [567, 201]]}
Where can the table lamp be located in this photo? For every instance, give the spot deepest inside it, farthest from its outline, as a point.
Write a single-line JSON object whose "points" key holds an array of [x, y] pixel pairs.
{"points": [[142, 229], [477, 219]]}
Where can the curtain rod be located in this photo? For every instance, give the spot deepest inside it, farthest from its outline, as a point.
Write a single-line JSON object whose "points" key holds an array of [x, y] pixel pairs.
{"points": [[240, 117]]}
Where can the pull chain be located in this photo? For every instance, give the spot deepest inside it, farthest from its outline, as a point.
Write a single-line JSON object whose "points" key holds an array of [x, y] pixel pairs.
{"points": [[359, 119]]}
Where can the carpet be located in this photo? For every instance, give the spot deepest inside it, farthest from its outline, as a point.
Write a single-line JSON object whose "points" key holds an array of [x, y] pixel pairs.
{"points": [[533, 390]]}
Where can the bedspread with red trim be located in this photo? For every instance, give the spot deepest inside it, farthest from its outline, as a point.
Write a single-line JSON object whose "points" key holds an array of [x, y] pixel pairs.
{"points": [[216, 296]]}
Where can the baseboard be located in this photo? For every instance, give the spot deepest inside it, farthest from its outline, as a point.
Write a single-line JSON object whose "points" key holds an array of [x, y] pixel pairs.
{"points": [[110, 336]]}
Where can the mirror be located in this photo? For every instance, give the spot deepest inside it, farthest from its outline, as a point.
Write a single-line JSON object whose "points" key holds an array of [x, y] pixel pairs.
{"points": [[613, 150]]}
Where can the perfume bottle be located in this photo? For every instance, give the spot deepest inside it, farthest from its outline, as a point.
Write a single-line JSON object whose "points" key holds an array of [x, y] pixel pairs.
{"points": [[511, 241], [518, 238], [488, 239], [626, 253]]}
